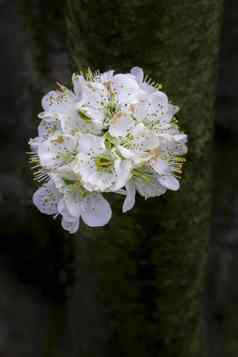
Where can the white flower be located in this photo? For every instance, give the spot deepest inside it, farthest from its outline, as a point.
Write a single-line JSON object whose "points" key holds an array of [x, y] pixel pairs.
{"points": [[94, 210], [154, 106], [126, 89], [100, 171], [111, 133], [68, 108], [91, 106], [69, 222], [104, 77], [146, 184], [134, 140], [57, 150], [59, 102], [138, 74], [46, 198], [165, 174]]}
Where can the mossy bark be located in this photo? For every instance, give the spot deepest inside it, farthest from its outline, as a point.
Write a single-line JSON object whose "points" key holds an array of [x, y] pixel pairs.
{"points": [[139, 281], [148, 265]]}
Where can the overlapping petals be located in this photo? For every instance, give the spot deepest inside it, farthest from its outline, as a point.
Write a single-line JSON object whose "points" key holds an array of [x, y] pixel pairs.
{"points": [[110, 133]]}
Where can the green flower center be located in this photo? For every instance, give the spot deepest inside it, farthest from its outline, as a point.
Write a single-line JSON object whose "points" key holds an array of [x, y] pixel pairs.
{"points": [[84, 117], [142, 174], [104, 163], [75, 186]]}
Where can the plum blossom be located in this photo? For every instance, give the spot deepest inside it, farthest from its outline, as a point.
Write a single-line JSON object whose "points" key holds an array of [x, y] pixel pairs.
{"points": [[110, 133]]}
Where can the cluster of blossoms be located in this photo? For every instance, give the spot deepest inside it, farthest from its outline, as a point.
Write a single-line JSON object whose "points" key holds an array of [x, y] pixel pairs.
{"points": [[111, 133]]}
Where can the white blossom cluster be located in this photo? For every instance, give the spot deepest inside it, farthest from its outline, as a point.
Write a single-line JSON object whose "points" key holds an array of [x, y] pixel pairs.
{"points": [[110, 133]]}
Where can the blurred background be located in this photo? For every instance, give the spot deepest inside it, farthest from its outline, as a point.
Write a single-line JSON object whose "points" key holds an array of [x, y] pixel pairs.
{"points": [[35, 255]]}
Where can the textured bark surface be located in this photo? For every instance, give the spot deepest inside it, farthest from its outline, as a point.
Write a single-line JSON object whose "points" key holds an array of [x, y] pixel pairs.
{"points": [[223, 291], [140, 280], [116, 283]]}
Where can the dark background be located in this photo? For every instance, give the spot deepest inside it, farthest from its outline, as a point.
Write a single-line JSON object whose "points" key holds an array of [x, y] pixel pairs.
{"points": [[36, 269]]}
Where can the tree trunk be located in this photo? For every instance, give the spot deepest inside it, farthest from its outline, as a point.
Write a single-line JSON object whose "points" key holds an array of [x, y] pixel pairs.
{"points": [[139, 281]]}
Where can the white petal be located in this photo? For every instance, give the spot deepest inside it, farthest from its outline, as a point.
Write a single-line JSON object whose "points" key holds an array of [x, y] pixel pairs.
{"points": [[95, 114], [180, 149], [159, 101], [58, 101], [126, 88], [54, 151], [92, 179], [138, 73], [94, 94], [77, 85], [121, 125], [48, 116], [181, 138], [169, 182], [68, 222], [93, 144], [46, 198], [73, 123], [150, 189], [147, 88], [145, 139], [62, 209], [166, 118], [123, 171], [96, 211], [71, 226], [73, 204], [160, 166], [153, 107], [126, 153], [47, 128], [35, 143], [129, 201], [106, 76]]}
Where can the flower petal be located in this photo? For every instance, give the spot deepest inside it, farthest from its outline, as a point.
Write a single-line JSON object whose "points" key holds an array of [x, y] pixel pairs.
{"points": [[166, 118], [96, 211], [105, 76], [77, 84], [71, 226], [138, 73], [47, 128], [181, 138], [169, 182], [160, 166], [150, 189], [73, 203], [123, 171], [91, 144], [68, 222], [121, 125], [154, 106], [58, 101], [35, 143], [129, 201], [46, 198], [94, 94], [57, 150], [126, 88]]}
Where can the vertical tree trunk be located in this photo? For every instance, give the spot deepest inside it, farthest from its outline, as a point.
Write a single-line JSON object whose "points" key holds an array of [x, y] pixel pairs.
{"points": [[140, 280]]}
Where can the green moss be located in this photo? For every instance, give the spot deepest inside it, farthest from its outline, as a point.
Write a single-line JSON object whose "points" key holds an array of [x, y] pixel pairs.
{"points": [[139, 281], [150, 262], [45, 22]]}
